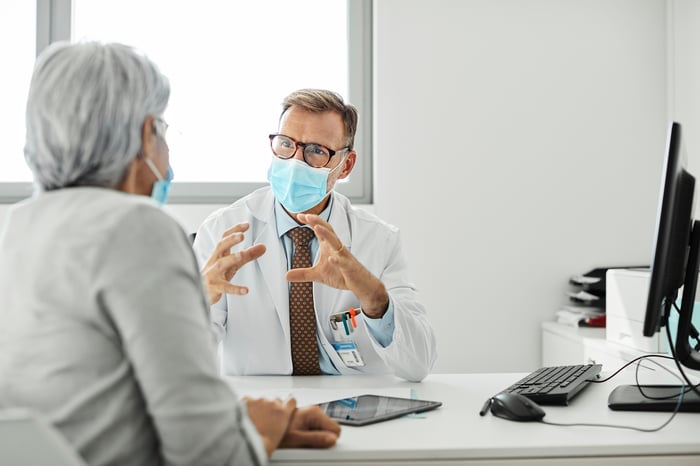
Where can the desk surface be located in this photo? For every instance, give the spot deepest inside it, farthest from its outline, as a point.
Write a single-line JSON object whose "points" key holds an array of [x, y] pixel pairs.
{"points": [[456, 434]]}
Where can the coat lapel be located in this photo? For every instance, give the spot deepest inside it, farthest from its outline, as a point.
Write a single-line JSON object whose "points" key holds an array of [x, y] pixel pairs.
{"points": [[273, 263]]}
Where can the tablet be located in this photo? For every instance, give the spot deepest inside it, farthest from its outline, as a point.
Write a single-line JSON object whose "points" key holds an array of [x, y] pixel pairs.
{"points": [[368, 409]]}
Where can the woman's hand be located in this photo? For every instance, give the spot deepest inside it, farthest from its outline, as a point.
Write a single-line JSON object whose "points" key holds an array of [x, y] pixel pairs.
{"points": [[271, 418]]}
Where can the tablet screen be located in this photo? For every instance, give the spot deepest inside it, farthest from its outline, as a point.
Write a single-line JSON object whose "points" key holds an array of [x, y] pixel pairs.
{"points": [[367, 409]]}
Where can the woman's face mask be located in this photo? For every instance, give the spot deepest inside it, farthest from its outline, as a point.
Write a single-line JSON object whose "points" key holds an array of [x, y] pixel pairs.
{"points": [[296, 185], [161, 187]]}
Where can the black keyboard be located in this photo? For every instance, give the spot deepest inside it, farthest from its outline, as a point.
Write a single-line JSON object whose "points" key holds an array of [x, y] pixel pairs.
{"points": [[555, 385]]}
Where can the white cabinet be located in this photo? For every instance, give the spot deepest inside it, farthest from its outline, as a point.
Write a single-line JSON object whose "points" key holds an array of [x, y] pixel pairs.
{"points": [[564, 345]]}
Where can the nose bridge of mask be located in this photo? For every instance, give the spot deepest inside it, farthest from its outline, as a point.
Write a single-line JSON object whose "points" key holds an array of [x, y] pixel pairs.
{"points": [[304, 172]]}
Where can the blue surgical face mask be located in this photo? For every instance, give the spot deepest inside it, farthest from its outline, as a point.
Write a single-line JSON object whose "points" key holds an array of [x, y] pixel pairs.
{"points": [[297, 185], [161, 187]]}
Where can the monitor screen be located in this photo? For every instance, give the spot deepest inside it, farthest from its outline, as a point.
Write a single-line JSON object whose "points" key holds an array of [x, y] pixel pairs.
{"points": [[674, 261]]}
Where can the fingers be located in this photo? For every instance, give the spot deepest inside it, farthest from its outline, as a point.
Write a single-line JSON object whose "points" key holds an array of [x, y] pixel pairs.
{"points": [[223, 248], [271, 419], [324, 232], [310, 427], [329, 238], [223, 287], [317, 419], [313, 220], [300, 275], [311, 439], [219, 271], [252, 253], [291, 404], [230, 238], [229, 264], [240, 228]]}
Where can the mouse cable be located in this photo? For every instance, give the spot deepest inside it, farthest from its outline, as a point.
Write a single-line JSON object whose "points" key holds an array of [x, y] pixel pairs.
{"points": [[619, 426], [640, 358], [688, 386], [640, 387]]}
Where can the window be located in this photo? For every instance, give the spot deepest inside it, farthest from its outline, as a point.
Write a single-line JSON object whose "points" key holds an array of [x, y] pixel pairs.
{"points": [[17, 48], [230, 64]]}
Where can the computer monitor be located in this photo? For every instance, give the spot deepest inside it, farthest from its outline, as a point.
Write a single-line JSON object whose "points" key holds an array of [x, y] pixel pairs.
{"points": [[675, 251], [674, 265]]}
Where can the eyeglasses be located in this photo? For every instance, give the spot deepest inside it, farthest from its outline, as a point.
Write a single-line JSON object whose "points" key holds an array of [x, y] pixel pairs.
{"points": [[316, 155]]}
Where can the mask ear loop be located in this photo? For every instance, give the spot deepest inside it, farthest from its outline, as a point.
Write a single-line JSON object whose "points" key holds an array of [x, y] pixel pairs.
{"points": [[341, 162], [153, 168]]}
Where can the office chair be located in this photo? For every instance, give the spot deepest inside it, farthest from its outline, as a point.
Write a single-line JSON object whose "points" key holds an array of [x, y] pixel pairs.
{"points": [[27, 438]]}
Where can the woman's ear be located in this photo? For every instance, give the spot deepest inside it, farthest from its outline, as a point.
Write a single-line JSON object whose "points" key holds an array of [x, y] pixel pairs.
{"points": [[148, 137]]}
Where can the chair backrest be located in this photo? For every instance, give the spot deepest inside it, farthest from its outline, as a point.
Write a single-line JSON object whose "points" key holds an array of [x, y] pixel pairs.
{"points": [[27, 438]]}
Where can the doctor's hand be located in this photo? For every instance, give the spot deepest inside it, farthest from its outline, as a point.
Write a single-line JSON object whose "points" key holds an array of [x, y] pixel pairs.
{"points": [[271, 419], [310, 427], [223, 264], [338, 268]]}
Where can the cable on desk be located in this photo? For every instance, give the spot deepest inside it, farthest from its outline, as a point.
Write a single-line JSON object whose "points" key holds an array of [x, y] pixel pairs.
{"points": [[646, 356], [640, 429]]}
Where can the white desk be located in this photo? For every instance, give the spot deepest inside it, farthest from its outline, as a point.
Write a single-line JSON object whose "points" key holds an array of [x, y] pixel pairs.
{"points": [[455, 434]]}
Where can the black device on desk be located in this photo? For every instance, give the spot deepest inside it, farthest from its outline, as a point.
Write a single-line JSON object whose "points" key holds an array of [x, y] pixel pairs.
{"points": [[555, 385], [674, 264], [368, 409], [515, 407]]}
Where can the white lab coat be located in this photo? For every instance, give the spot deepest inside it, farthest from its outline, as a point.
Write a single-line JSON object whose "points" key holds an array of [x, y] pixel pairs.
{"points": [[255, 328]]}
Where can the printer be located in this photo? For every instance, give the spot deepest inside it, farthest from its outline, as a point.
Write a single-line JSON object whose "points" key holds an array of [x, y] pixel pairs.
{"points": [[626, 296]]}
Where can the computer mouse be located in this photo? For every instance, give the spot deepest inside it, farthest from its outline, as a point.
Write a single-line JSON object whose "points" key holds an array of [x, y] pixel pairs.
{"points": [[516, 407]]}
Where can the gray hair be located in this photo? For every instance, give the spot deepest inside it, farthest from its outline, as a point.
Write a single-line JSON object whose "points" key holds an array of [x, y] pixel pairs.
{"points": [[85, 112], [321, 100]]}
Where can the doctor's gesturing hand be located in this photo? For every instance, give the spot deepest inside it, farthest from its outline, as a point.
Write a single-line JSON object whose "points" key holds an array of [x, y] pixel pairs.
{"points": [[223, 264], [338, 268]]}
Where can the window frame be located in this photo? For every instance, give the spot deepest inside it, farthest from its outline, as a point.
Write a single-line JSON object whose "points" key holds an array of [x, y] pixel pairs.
{"points": [[54, 23]]}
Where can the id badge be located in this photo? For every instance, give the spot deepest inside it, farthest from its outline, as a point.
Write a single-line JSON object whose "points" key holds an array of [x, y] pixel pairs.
{"points": [[343, 325], [349, 353]]}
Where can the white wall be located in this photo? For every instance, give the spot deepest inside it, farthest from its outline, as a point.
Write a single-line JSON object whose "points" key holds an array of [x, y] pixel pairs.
{"points": [[517, 143], [684, 71]]}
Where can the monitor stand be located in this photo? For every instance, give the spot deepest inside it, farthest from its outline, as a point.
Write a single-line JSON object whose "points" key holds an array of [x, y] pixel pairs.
{"points": [[658, 398]]}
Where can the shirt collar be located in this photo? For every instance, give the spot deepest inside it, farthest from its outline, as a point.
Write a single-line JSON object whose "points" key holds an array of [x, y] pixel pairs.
{"points": [[285, 222]]}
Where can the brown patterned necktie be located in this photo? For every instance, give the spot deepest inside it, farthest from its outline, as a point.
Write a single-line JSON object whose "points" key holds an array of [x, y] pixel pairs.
{"points": [[302, 316]]}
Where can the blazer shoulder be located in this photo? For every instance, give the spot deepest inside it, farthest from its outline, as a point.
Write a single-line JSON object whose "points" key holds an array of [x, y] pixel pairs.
{"points": [[241, 210], [362, 216]]}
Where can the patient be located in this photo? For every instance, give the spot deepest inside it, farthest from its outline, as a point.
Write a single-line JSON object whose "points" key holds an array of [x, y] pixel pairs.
{"points": [[104, 323]]}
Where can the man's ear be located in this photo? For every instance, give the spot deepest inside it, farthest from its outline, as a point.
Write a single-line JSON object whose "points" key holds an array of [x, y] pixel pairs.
{"points": [[348, 165]]}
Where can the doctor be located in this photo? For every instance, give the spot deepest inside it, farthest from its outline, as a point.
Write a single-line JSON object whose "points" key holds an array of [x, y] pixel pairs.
{"points": [[355, 305]]}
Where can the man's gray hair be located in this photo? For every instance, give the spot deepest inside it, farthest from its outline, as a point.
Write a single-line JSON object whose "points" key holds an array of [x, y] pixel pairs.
{"points": [[321, 100], [85, 112]]}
